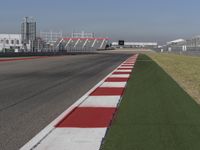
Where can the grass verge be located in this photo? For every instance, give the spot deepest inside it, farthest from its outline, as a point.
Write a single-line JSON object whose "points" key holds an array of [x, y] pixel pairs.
{"points": [[155, 113], [184, 69]]}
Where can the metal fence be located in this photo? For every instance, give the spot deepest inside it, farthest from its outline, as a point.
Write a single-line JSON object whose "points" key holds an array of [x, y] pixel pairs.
{"points": [[185, 50]]}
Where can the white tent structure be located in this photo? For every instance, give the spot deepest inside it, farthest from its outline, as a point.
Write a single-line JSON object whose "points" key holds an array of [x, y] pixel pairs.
{"points": [[177, 41]]}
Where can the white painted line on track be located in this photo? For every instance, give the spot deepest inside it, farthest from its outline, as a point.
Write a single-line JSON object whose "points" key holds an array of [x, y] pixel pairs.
{"points": [[101, 101]]}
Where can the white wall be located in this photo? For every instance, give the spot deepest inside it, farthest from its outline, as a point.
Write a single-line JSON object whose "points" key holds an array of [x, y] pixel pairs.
{"points": [[10, 41], [136, 44]]}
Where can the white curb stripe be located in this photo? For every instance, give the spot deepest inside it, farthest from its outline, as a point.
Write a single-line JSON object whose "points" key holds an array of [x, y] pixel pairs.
{"points": [[113, 84], [128, 64], [120, 76], [123, 71], [101, 101], [73, 139], [125, 67]]}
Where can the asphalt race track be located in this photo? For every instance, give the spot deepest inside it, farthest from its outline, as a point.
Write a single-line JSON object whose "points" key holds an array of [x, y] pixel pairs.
{"points": [[34, 92]]}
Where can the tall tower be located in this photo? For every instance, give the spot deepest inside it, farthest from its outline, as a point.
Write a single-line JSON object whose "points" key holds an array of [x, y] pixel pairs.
{"points": [[28, 33]]}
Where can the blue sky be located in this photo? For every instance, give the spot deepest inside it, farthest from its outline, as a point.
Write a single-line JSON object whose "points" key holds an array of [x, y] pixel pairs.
{"points": [[132, 20]]}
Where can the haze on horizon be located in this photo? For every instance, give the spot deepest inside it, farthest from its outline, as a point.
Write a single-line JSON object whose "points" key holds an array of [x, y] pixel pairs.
{"points": [[131, 20]]}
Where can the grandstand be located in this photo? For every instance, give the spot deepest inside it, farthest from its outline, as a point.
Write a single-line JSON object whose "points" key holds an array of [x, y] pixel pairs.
{"points": [[81, 44]]}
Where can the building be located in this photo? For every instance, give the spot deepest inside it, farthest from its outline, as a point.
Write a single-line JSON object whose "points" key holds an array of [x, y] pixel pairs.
{"points": [[134, 44], [177, 42], [10, 42], [194, 42], [28, 33]]}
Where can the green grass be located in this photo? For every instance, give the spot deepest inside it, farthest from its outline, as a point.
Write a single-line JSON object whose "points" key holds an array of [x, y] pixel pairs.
{"points": [[155, 114]]}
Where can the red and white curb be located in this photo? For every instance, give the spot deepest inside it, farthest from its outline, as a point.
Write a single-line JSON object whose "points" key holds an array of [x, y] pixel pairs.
{"points": [[83, 126]]}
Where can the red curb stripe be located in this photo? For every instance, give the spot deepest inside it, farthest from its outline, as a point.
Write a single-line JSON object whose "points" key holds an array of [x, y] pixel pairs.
{"points": [[88, 117], [116, 80], [121, 72], [102, 91]]}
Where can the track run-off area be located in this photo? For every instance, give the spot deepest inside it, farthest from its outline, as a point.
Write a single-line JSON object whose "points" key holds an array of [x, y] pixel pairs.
{"points": [[150, 111]]}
